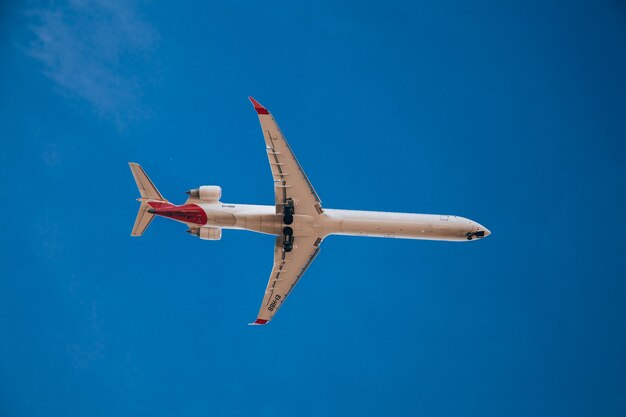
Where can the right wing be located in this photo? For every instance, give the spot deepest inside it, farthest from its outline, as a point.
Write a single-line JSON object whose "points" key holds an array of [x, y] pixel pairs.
{"points": [[287, 271], [290, 181]]}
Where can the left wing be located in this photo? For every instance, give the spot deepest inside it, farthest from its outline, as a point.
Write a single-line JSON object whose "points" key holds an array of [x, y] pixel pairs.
{"points": [[287, 271]]}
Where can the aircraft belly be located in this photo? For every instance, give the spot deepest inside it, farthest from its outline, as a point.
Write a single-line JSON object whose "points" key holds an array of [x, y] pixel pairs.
{"points": [[263, 223], [303, 225], [220, 219], [273, 223], [399, 225]]}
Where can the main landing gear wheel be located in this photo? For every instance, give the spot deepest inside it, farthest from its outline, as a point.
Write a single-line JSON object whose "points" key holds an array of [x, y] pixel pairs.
{"points": [[288, 231], [288, 212], [287, 239]]}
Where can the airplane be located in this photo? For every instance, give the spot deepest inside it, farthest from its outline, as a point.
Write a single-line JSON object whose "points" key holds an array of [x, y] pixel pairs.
{"points": [[297, 218]]}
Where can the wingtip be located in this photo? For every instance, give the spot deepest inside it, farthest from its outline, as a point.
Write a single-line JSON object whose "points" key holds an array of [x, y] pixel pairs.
{"points": [[134, 166], [258, 106], [258, 322]]}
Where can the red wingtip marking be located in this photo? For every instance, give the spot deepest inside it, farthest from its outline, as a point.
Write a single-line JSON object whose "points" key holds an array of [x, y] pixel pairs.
{"points": [[258, 106], [260, 321]]}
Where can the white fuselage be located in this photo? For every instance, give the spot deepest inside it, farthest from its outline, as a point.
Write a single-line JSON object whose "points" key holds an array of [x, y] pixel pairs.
{"points": [[264, 219]]}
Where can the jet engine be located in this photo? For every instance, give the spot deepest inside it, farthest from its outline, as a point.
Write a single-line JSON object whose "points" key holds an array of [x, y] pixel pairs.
{"points": [[206, 193], [206, 233]]}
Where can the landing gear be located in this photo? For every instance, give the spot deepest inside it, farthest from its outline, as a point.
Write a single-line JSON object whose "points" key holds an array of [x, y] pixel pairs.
{"points": [[288, 211], [472, 235], [287, 239], [288, 231]]}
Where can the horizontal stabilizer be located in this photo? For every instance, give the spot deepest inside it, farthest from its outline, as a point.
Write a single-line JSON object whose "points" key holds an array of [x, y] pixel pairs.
{"points": [[144, 218]]}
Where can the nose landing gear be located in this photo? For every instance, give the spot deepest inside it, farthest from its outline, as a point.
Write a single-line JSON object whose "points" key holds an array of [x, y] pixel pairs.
{"points": [[472, 235]]}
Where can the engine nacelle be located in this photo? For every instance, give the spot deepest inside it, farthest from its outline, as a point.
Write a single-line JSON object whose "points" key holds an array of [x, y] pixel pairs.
{"points": [[206, 193], [207, 233]]}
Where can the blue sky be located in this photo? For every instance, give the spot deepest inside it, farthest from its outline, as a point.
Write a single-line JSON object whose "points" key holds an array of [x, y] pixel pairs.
{"points": [[510, 114]]}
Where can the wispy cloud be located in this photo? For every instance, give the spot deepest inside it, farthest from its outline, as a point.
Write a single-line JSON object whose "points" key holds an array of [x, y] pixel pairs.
{"points": [[94, 50]]}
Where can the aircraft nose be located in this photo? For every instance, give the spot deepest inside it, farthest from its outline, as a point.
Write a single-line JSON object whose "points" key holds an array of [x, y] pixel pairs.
{"points": [[478, 231], [481, 231]]}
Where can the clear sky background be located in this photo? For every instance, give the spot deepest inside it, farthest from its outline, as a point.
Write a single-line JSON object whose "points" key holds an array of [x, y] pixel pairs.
{"points": [[509, 113]]}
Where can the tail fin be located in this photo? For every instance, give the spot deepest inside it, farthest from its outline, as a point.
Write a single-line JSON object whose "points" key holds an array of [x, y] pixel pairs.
{"points": [[148, 193]]}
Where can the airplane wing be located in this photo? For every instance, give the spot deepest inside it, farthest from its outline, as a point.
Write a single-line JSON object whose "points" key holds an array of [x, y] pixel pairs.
{"points": [[290, 181], [288, 269]]}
